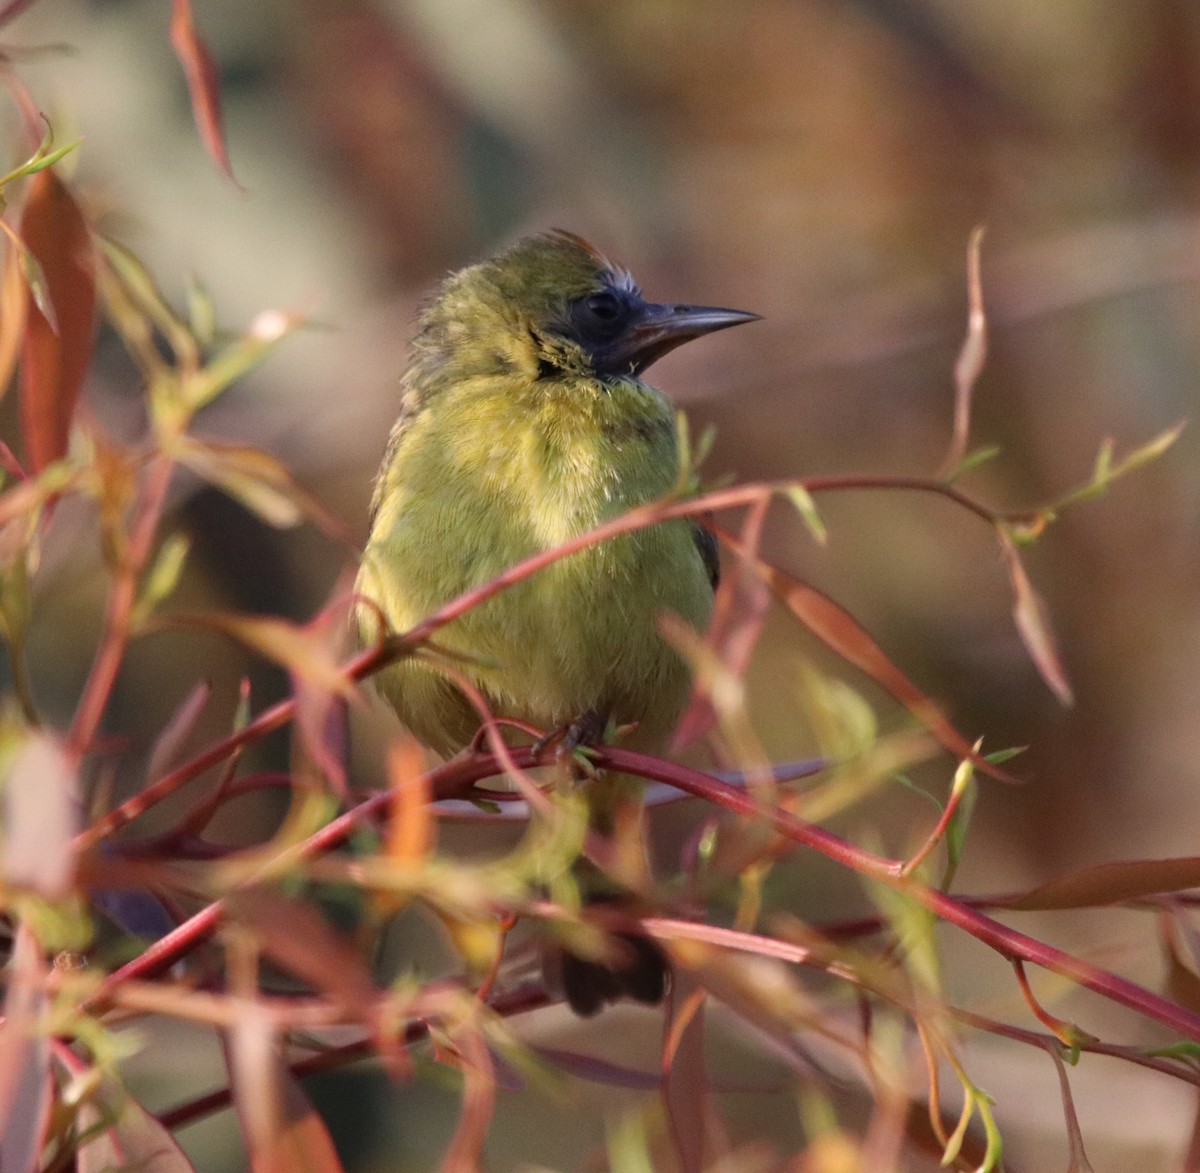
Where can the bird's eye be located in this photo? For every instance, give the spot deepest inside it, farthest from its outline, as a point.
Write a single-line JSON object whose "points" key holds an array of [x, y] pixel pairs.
{"points": [[604, 307], [599, 316]]}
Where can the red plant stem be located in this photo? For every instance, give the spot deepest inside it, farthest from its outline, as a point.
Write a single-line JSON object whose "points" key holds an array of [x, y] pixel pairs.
{"points": [[520, 1001], [119, 612], [372, 661], [1009, 943], [447, 781], [458, 775]]}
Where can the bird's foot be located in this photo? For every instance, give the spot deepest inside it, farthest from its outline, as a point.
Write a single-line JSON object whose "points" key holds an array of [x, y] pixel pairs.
{"points": [[572, 741]]}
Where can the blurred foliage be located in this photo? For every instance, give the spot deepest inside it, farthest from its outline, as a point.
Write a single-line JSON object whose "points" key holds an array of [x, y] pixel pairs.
{"points": [[823, 162]]}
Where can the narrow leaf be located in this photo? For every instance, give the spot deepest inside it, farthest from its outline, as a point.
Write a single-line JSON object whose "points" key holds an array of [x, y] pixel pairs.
{"points": [[802, 499], [411, 826], [686, 1098], [25, 1081], [303, 1143], [13, 9], [41, 819], [309, 655], [1033, 623], [13, 303], [163, 577], [260, 482], [834, 626], [297, 937], [170, 741], [1078, 1162], [203, 84], [145, 295], [56, 355], [971, 357], [135, 1140], [1110, 883]]}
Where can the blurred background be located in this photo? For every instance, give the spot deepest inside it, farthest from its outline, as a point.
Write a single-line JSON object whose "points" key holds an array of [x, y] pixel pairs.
{"points": [[821, 162]]}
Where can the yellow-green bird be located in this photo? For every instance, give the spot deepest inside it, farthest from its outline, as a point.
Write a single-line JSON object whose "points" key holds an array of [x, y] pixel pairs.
{"points": [[524, 422]]}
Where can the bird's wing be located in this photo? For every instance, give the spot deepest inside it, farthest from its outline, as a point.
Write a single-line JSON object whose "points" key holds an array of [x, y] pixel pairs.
{"points": [[408, 411], [706, 544]]}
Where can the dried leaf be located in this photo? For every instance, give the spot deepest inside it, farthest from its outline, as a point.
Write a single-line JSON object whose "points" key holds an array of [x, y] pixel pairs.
{"points": [[55, 356], [203, 84], [42, 817], [479, 1103], [971, 358], [1078, 1162], [303, 1143], [1033, 622]]}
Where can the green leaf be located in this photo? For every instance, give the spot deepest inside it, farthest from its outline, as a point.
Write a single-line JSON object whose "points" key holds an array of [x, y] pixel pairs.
{"points": [[802, 499], [973, 460], [45, 156], [163, 577], [240, 357]]}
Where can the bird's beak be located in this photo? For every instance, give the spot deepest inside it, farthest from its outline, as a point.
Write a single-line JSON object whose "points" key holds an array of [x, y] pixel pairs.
{"points": [[658, 329]]}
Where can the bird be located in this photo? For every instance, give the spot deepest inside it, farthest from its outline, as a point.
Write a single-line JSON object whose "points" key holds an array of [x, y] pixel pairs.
{"points": [[524, 422]]}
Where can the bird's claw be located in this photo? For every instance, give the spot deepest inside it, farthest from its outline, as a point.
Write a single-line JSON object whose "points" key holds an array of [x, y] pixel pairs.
{"points": [[573, 740]]}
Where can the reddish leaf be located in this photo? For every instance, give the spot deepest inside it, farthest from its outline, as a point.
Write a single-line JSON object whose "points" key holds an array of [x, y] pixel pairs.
{"points": [[479, 1103], [55, 356], [281, 1128], [1110, 883], [13, 300], [202, 81], [297, 937], [411, 827], [24, 1060], [41, 818], [169, 744], [13, 9], [135, 1141], [1183, 984], [685, 1075], [839, 630], [739, 613], [319, 682]]}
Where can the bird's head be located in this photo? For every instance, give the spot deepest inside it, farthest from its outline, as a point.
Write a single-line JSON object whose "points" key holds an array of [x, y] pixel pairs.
{"points": [[553, 306]]}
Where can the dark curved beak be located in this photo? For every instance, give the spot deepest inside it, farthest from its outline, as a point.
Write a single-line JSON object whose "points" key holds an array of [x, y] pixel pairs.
{"points": [[658, 329]]}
